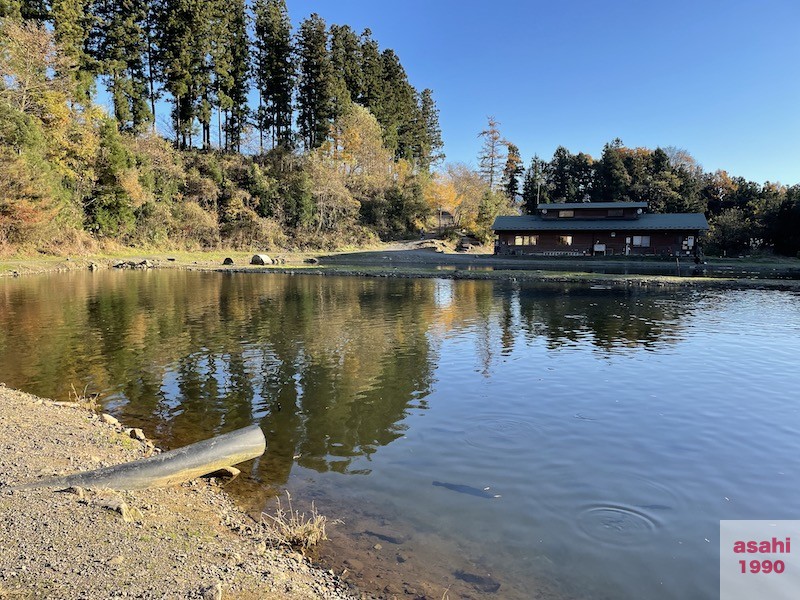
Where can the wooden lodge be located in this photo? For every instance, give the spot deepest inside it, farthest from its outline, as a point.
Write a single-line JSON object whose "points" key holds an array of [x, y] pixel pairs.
{"points": [[599, 229]]}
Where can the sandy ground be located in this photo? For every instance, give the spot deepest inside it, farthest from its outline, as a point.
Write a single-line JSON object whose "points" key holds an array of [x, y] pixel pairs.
{"points": [[183, 542]]}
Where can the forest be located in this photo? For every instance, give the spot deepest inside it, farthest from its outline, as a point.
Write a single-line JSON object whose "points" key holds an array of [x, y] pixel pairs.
{"points": [[228, 127]]}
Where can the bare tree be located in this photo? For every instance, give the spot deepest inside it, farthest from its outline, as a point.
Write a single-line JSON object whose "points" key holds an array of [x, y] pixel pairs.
{"points": [[491, 158]]}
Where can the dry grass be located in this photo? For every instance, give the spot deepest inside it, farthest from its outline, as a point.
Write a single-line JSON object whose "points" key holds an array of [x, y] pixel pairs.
{"points": [[290, 528], [84, 399]]}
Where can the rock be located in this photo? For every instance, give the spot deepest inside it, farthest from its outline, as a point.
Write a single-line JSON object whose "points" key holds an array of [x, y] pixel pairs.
{"points": [[355, 565], [138, 434], [311, 261], [377, 547], [67, 404], [386, 534], [482, 583], [106, 418], [213, 593], [401, 558], [78, 491], [227, 261], [93, 266], [117, 505], [260, 259], [132, 264], [172, 259]]}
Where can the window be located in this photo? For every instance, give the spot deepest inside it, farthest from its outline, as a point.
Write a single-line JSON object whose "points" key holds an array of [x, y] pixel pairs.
{"points": [[518, 240], [641, 241], [565, 240], [615, 212], [566, 214], [530, 240]]}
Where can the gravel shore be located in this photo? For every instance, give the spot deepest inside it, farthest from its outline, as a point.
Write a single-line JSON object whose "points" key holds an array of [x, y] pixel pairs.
{"points": [[184, 542]]}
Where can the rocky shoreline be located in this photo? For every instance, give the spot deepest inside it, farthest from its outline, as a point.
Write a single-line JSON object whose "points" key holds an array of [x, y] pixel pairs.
{"points": [[424, 263], [189, 541]]}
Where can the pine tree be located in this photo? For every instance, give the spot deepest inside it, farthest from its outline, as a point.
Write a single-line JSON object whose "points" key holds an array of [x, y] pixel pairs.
{"points": [[237, 85], [315, 90], [534, 191], [346, 59], [491, 157], [512, 172], [274, 70], [71, 26], [35, 10], [11, 9], [431, 144], [398, 113], [119, 44], [560, 178], [372, 87], [612, 177], [176, 65], [186, 37]]}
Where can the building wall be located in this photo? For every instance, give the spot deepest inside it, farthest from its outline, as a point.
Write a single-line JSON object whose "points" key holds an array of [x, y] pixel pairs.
{"points": [[590, 243], [588, 213]]}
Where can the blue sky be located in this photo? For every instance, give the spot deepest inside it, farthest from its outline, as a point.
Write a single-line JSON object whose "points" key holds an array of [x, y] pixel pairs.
{"points": [[718, 78]]}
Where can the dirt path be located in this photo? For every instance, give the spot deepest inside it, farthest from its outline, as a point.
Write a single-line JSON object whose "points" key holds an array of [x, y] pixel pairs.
{"points": [[184, 542]]}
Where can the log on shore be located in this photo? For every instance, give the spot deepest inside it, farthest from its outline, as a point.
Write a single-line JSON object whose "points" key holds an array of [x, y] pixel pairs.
{"points": [[169, 468]]}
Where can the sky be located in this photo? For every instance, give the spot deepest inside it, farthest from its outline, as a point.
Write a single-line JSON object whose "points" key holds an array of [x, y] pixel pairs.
{"points": [[719, 78]]}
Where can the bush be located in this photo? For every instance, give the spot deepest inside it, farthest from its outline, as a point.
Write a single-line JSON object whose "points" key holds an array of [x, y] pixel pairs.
{"points": [[191, 227]]}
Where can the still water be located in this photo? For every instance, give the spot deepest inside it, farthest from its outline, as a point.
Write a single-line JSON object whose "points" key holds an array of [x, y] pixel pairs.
{"points": [[493, 439]]}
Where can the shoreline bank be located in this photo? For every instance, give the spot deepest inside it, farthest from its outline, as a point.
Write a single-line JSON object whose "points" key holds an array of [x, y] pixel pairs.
{"points": [[414, 260], [188, 541]]}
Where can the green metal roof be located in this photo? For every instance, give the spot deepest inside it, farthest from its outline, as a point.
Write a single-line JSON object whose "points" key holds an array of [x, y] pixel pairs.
{"points": [[646, 222], [578, 205]]}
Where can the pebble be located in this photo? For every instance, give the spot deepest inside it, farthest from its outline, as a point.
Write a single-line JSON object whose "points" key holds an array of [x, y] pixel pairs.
{"points": [[106, 418]]}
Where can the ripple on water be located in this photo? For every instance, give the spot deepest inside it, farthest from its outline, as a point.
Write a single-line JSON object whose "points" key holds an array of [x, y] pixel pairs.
{"points": [[498, 432], [617, 524]]}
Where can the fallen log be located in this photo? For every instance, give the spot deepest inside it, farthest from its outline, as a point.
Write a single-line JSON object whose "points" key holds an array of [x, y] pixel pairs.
{"points": [[168, 468]]}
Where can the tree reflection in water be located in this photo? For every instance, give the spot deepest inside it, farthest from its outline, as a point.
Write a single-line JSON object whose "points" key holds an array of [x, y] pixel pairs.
{"points": [[329, 366]]}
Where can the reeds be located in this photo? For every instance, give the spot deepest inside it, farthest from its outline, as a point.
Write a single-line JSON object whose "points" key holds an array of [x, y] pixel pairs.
{"points": [[289, 528]]}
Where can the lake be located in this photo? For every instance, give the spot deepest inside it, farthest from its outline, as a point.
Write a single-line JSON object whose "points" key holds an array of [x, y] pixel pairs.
{"points": [[490, 439]]}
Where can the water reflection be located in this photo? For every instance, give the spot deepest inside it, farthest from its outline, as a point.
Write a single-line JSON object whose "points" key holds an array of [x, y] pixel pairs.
{"points": [[330, 367]]}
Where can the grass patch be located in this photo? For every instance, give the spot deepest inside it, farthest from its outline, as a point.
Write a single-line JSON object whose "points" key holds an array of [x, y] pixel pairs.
{"points": [[84, 399], [289, 528]]}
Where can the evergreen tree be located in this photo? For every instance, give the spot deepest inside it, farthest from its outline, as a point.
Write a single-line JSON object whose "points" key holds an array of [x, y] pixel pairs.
{"points": [[35, 10], [72, 22], [177, 64], [346, 59], [275, 70], [237, 84], [583, 176], [372, 88], [399, 113], [119, 44], [534, 192], [491, 157], [560, 179], [11, 9], [512, 172], [315, 90], [187, 30], [613, 179], [431, 144]]}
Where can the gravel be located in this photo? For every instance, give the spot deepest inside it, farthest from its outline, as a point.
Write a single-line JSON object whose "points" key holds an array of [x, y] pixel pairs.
{"points": [[189, 541]]}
